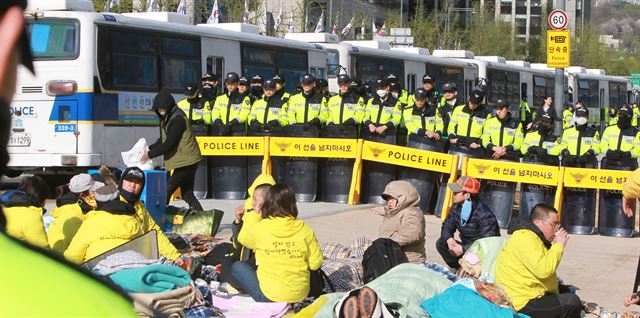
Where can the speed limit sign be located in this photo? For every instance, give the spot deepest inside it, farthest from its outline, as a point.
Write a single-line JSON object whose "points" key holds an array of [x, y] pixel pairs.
{"points": [[558, 19]]}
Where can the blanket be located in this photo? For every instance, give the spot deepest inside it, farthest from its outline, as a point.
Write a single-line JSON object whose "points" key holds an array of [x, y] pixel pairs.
{"points": [[447, 305], [124, 260], [151, 279], [170, 303], [244, 306]]}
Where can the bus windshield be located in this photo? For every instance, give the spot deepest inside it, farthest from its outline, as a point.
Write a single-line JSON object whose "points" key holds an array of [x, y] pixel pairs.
{"points": [[53, 39]]}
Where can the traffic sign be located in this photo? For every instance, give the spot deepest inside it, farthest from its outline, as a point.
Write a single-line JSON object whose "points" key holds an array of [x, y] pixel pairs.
{"points": [[558, 49], [635, 79], [558, 19]]}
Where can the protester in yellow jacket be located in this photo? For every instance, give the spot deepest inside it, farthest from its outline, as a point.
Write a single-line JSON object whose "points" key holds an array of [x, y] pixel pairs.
{"points": [[23, 209], [111, 225], [73, 201], [286, 249], [131, 184], [631, 192]]}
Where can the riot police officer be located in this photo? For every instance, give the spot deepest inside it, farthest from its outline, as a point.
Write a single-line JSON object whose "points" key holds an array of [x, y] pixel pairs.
{"points": [[245, 89], [346, 109], [231, 109], [307, 107], [323, 86], [195, 106], [542, 145], [613, 115], [256, 86], [502, 136], [448, 103], [524, 112], [269, 112], [382, 112], [620, 143], [394, 86], [280, 85], [422, 117], [567, 116], [467, 122], [210, 87]]}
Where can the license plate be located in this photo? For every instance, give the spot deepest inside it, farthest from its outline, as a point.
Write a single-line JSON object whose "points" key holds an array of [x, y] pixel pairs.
{"points": [[19, 140]]}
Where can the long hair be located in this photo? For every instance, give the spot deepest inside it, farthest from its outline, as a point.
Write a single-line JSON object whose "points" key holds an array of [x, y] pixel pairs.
{"points": [[36, 187], [279, 201]]}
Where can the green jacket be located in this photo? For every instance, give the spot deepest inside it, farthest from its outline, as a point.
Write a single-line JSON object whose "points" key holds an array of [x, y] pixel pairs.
{"points": [[186, 152]]}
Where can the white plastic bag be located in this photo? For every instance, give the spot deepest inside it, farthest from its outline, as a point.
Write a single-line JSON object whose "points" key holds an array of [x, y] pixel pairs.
{"points": [[132, 157]]}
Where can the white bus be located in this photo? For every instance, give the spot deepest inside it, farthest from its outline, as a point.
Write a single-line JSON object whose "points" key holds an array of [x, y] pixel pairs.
{"points": [[97, 74]]}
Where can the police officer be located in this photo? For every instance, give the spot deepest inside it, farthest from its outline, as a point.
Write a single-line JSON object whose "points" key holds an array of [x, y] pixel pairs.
{"points": [[269, 113], [210, 87], [307, 107], [323, 86], [195, 106], [231, 109], [613, 115], [280, 84], [346, 109], [256, 86], [525, 113], [360, 89], [422, 117], [394, 86], [245, 89], [502, 136], [542, 145], [546, 108], [382, 112], [567, 116], [467, 122], [448, 103], [636, 114], [620, 142], [580, 143]]}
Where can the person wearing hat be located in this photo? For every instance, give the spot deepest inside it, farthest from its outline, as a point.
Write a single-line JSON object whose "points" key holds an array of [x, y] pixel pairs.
{"points": [[179, 147], [269, 113], [635, 115], [195, 106], [346, 109], [580, 143], [542, 145], [382, 112], [308, 107], [403, 221], [467, 122], [469, 216], [73, 201], [280, 85], [567, 115], [525, 113], [448, 103], [231, 109], [621, 142], [360, 89], [502, 135], [256, 86], [428, 84], [546, 108], [323, 86], [210, 87], [422, 117], [395, 87], [244, 87], [130, 188]]}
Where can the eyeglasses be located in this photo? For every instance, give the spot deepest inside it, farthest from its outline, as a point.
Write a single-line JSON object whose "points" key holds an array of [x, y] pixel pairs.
{"points": [[556, 226]]}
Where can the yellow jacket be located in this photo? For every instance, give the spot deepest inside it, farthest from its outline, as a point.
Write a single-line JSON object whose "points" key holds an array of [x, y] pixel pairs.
{"points": [[260, 180], [147, 224], [631, 188], [102, 231], [526, 269], [25, 223], [68, 219], [286, 249]]}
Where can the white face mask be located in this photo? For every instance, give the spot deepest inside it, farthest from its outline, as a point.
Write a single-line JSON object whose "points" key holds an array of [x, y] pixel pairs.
{"points": [[381, 92], [581, 120], [395, 95]]}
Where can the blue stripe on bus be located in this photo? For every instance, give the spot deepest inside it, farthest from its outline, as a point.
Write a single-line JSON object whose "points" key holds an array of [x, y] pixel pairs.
{"points": [[85, 106]]}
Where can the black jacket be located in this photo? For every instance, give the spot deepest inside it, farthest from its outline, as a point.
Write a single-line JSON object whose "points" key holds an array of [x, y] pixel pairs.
{"points": [[72, 198], [482, 223], [15, 198], [176, 123]]}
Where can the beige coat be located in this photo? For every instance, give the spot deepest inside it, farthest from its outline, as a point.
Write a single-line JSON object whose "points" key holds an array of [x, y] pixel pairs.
{"points": [[405, 223]]}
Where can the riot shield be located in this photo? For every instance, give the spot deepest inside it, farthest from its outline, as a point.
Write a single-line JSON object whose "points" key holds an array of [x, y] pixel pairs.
{"points": [[335, 173], [499, 195], [201, 182], [300, 173], [375, 175], [229, 172], [532, 194], [254, 163], [423, 180], [611, 219], [462, 152], [579, 204]]}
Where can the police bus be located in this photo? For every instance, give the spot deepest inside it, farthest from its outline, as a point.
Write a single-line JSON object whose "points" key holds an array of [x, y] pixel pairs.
{"points": [[97, 74], [371, 60]]}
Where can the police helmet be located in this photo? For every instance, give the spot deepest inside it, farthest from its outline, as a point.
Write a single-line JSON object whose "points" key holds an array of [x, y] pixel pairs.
{"points": [[420, 93], [501, 103], [321, 82], [343, 79], [427, 79], [476, 97], [449, 87], [190, 89], [209, 77], [382, 83], [269, 84], [625, 110], [256, 79], [307, 79], [231, 77], [394, 87], [243, 81], [545, 117], [392, 78], [278, 78], [582, 112]]}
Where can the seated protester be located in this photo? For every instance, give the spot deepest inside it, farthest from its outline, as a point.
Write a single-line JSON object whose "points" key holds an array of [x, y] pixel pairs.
{"points": [[403, 221], [527, 267], [112, 224], [470, 216], [73, 201], [286, 250], [24, 208], [130, 188]]}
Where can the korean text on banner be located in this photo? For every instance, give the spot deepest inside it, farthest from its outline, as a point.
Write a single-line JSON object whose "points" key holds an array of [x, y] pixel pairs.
{"points": [[558, 49], [313, 147], [513, 172], [407, 157], [231, 146], [595, 178]]}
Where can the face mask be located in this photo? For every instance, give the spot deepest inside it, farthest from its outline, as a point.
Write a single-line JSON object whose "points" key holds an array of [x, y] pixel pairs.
{"points": [[5, 125], [624, 122], [465, 213], [91, 200], [381, 92], [395, 95], [581, 120], [543, 130], [256, 91], [129, 196]]}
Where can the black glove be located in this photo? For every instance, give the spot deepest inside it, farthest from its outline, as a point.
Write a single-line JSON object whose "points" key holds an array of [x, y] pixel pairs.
{"points": [[217, 122], [538, 151], [226, 130], [273, 123], [625, 154], [565, 152], [255, 124], [234, 122], [613, 154], [342, 127], [306, 126], [587, 157]]}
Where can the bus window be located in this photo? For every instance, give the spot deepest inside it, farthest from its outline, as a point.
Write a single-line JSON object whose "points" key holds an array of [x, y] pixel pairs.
{"points": [[53, 39], [369, 69], [181, 47], [497, 86], [265, 72], [513, 89], [134, 71], [437, 72], [613, 94], [411, 83], [267, 61], [455, 75], [333, 63], [321, 72], [177, 72], [312, 71], [539, 90], [215, 65]]}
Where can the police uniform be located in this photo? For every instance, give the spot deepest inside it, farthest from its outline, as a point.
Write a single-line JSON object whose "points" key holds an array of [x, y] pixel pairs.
{"points": [[281, 93], [542, 145], [197, 109], [446, 108], [421, 120], [525, 114], [245, 82], [268, 113], [620, 142], [346, 110], [209, 90], [230, 110], [567, 117], [505, 132], [403, 95], [634, 118], [467, 125], [580, 143], [382, 112], [307, 109], [256, 86]]}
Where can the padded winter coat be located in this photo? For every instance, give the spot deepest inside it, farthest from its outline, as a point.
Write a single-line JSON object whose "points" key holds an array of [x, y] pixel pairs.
{"points": [[69, 215], [482, 223], [24, 218]]}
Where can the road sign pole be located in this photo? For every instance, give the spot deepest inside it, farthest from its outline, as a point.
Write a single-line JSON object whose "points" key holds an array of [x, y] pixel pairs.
{"points": [[559, 89]]}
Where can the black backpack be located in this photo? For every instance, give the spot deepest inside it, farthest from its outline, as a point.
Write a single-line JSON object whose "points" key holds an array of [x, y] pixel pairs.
{"points": [[383, 255]]}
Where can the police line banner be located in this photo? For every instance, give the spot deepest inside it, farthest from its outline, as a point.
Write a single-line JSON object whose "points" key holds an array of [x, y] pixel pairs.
{"points": [[231, 146], [313, 147], [595, 178], [513, 172], [407, 157]]}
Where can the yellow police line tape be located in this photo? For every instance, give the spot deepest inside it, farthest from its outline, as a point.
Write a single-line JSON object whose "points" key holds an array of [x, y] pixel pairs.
{"points": [[359, 150]]}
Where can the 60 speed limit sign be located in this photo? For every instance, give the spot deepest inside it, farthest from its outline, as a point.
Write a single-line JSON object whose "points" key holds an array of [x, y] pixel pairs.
{"points": [[558, 19]]}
